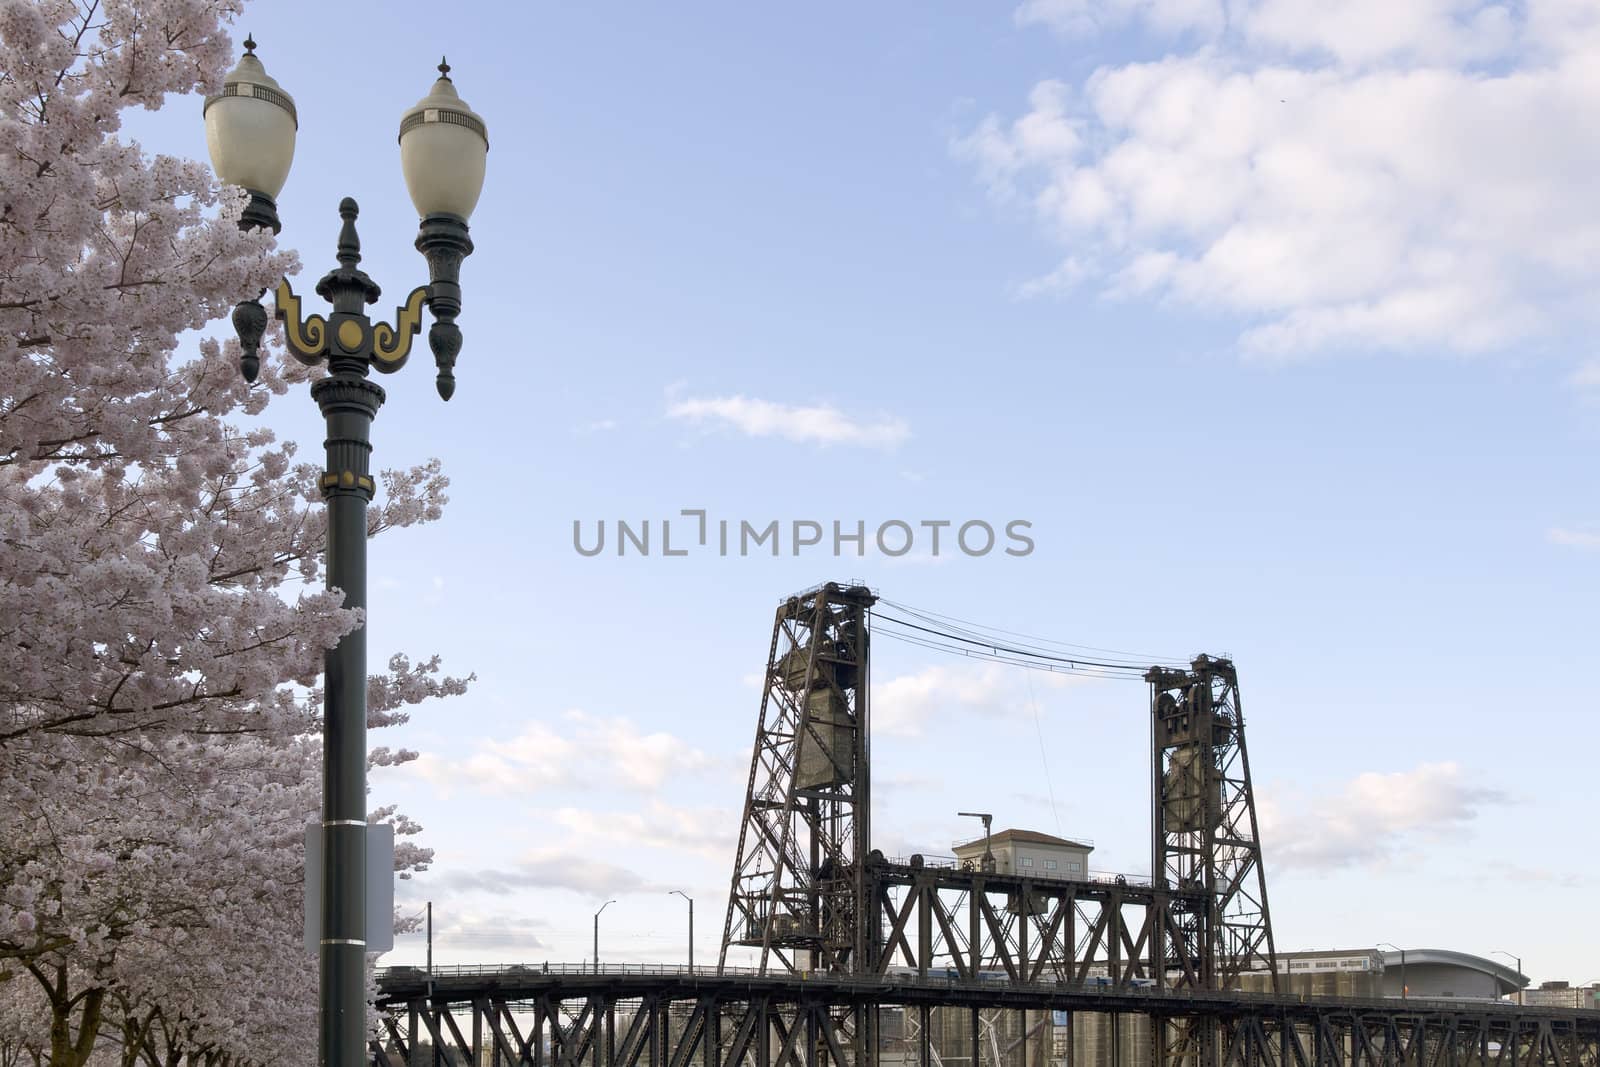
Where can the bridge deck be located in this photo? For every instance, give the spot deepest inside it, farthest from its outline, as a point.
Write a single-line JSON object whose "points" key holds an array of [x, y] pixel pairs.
{"points": [[402, 986]]}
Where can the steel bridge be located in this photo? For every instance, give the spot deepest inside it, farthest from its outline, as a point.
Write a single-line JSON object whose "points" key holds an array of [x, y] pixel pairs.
{"points": [[864, 961], [664, 1017]]}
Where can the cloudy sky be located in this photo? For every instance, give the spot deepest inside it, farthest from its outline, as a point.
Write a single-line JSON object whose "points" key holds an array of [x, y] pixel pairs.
{"points": [[1274, 319]]}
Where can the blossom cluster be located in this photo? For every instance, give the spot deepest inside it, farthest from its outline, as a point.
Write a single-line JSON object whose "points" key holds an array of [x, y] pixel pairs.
{"points": [[162, 621]]}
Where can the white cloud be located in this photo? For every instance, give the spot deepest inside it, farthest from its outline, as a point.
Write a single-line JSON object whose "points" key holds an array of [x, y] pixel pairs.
{"points": [[1067, 276], [1351, 32], [580, 750], [1518, 874], [1332, 175], [817, 424], [467, 929], [1366, 31], [710, 832], [1081, 17], [904, 705], [539, 757], [643, 761], [1586, 376], [1373, 816], [1587, 536], [572, 871]]}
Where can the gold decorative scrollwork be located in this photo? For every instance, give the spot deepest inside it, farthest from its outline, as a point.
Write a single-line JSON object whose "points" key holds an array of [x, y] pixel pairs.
{"points": [[391, 345], [308, 339]]}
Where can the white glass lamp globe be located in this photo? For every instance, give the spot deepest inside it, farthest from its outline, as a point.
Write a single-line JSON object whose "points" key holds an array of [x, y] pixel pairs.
{"points": [[444, 146], [250, 128]]}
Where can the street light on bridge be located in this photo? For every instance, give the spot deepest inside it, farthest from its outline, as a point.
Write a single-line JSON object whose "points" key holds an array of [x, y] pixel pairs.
{"points": [[1404, 992], [595, 963], [690, 899], [250, 134], [1509, 956]]}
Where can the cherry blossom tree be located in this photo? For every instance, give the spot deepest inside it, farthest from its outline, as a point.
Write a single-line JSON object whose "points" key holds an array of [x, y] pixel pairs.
{"points": [[162, 622]]}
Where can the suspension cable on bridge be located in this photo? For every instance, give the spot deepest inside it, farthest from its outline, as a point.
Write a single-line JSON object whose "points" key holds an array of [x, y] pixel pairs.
{"points": [[929, 631], [1024, 640]]}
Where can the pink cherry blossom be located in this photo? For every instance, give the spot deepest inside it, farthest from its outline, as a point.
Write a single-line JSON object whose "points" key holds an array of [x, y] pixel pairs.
{"points": [[161, 618]]}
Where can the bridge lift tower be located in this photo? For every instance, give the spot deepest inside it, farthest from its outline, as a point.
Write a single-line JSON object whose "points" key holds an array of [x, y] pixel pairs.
{"points": [[799, 890], [1203, 821]]}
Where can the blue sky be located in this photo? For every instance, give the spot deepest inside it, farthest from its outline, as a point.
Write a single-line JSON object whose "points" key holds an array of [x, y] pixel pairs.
{"points": [[1277, 327]]}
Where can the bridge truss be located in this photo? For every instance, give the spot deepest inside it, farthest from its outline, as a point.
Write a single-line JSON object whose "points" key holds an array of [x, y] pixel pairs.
{"points": [[681, 1019], [934, 920]]}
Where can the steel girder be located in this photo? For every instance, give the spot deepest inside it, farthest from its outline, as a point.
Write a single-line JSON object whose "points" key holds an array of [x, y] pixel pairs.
{"points": [[942, 920], [676, 1020]]}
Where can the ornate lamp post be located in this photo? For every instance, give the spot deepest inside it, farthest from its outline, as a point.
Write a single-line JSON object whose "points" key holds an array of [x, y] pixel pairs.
{"points": [[250, 131]]}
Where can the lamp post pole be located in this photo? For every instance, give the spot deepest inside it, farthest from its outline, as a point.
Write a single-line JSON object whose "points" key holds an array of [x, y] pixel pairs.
{"points": [[690, 899], [250, 132], [349, 403], [351, 345], [594, 961], [1509, 956], [1404, 992]]}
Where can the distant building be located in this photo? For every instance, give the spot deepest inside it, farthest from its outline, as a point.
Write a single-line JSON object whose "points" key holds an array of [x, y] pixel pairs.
{"points": [[1331, 973], [1028, 854], [1562, 995], [1430, 973], [1442, 974]]}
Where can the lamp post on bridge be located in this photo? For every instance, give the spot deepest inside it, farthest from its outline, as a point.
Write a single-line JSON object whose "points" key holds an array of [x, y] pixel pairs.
{"points": [[594, 962], [690, 899], [1404, 991], [250, 133], [1509, 956]]}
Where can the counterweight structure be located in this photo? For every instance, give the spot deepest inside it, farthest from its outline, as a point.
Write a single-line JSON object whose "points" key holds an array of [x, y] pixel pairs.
{"points": [[799, 892], [1204, 845]]}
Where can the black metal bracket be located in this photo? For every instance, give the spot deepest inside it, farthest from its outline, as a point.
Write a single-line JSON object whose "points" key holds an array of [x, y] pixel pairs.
{"points": [[347, 339], [444, 242]]}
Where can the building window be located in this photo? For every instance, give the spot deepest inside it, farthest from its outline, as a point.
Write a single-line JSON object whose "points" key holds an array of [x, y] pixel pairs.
{"points": [[1049, 865], [1074, 865], [1027, 861]]}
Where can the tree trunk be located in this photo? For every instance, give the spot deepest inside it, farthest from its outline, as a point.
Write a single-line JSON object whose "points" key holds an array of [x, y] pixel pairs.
{"points": [[135, 1033], [67, 1050]]}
